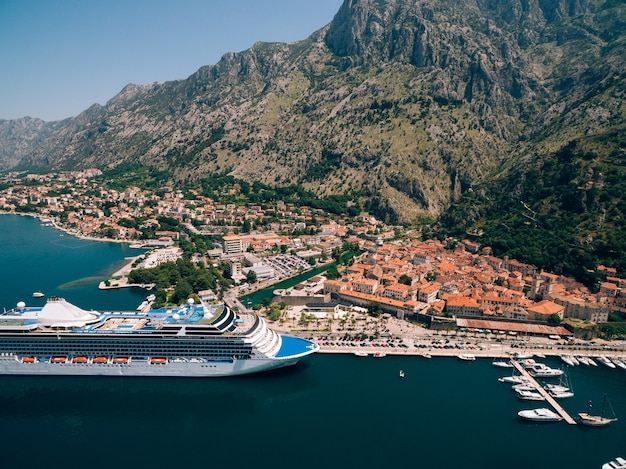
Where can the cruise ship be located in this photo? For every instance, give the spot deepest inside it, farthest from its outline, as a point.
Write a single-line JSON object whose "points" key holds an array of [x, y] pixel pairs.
{"points": [[193, 340]]}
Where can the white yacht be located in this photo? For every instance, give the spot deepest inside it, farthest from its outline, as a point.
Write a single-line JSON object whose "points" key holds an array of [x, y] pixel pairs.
{"points": [[502, 363], [556, 388], [539, 370], [513, 379], [562, 390], [619, 363], [540, 415], [561, 394], [525, 386], [467, 357], [606, 362], [570, 360], [530, 395]]}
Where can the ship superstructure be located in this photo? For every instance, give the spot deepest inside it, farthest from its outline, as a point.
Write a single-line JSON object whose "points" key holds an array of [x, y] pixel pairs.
{"points": [[191, 340]]}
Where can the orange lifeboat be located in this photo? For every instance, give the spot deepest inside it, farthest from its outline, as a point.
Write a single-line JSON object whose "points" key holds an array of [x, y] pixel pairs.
{"points": [[79, 359], [28, 359], [100, 360], [120, 360], [58, 359], [158, 360]]}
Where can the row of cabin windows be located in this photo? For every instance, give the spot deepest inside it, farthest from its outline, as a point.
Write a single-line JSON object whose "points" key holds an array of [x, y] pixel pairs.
{"points": [[121, 343], [178, 349]]}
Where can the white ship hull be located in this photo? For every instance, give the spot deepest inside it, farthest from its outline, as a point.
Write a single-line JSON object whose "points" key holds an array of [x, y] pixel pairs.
{"points": [[63, 340], [11, 365]]}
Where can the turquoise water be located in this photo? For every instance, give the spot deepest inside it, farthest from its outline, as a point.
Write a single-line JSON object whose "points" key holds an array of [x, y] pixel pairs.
{"points": [[37, 258], [330, 411], [259, 295]]}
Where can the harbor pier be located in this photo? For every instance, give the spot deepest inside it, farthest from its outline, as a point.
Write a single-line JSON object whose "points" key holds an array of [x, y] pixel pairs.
{"points": [[549, 399]]}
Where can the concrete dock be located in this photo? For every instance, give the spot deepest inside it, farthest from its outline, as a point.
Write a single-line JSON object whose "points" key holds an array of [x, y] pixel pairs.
{"points": [[549, 399]]}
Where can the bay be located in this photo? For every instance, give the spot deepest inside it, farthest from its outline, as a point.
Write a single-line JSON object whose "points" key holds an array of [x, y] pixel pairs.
{"points": [[336, 411], [41, 258]]}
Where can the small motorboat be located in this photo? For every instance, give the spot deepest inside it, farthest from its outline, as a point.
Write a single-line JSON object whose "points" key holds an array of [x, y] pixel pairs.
{"points": [[606, 362], [401, 373], [502, 363], [529, 395], [514, 379], [540, 415], [620, 363], [467, 357]]}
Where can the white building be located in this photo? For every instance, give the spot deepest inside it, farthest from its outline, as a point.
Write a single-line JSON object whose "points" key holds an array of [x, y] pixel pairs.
{"points": [[262, 271], [232, 244]]}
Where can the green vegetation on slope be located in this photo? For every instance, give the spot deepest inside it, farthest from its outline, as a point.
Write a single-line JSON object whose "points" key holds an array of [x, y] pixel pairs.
{"points": [[565, 212]]}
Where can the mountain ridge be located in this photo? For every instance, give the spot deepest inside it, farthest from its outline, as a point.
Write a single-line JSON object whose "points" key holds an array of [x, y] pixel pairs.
{"points": [[406, 105]]}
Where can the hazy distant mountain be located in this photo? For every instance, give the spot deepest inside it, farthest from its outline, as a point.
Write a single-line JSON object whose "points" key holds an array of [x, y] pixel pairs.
{"points": [[406, 104]]}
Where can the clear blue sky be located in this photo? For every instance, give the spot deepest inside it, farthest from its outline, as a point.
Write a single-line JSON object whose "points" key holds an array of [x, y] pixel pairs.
{"points": [[58, 57]]}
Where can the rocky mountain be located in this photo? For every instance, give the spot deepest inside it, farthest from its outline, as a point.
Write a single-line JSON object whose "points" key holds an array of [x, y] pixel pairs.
{"points": [[405, 105], [19, 137]]}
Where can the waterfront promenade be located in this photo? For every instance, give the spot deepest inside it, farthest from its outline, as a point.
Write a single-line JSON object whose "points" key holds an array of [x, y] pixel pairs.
{"points": [[398, 337], [479, 350]]}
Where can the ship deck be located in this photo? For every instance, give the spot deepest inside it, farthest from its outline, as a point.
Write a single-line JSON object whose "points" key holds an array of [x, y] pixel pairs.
{"points": [[294, 347]]}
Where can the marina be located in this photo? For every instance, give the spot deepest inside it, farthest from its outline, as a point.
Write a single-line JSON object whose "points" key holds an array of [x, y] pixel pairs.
{"points": [[543, 393]]}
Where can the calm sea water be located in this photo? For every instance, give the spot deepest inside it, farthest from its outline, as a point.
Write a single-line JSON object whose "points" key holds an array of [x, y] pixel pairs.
{"points": [[38, 258], [335, 411]]}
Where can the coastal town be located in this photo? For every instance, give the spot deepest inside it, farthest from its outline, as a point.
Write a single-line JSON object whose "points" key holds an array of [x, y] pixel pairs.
{"points": [[441, 285]]}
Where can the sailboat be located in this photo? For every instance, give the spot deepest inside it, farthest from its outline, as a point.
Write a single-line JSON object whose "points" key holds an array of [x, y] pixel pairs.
{"points": [[561, 390], [596, 420], [502, 363], [514, 378]]}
